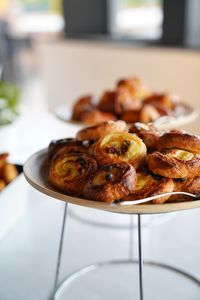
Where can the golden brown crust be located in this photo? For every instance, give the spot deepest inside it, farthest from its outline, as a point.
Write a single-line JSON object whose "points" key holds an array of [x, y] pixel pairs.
{"points": [[56, 145], [179, 140], [148, 133], [131, 116], [189, 185], [70, 172], [107, 102], [3, 158], [149, 113], [125, 102], [96, 116], [82, 105], [167, 100], [135, 87], [8, 173], [168, 164], [147, 186], [119, 147], [111, 182], [95, 132]]}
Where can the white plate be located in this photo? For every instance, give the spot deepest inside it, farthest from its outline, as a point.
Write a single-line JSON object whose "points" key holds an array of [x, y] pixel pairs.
{"points": [[36, 172], [185, 114]]}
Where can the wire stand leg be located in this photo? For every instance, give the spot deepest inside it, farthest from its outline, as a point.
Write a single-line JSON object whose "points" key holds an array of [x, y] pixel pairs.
{"points": [[131, 239], [60, 250], [140, 259]]}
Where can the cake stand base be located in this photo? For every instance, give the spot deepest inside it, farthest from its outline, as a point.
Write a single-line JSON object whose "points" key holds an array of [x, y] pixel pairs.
{"points": [[119, 280]]}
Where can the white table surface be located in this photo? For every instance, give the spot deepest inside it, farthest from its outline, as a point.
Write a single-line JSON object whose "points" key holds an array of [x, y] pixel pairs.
{"points": [[28, 254]]}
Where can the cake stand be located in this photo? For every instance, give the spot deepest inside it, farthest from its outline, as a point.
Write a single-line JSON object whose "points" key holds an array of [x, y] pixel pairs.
{"points": [[36, 173]]}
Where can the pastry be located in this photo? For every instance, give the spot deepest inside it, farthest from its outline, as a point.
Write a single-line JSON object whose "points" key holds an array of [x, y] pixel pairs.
{"points": [[95, 132], [148, 133], [179, 140], [174, 163], [117, 147], [148, 185], [111, 182], [70, 172], [56, 145], [96, 116], [135, 87], [82, 105]]}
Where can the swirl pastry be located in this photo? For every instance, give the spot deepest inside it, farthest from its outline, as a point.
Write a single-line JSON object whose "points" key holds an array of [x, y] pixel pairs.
{"points": [[83, 105], [148, 133], [70, 145], [148, 185], [111, 182], [119, 147], [70, 172], [179, 140], [97, 131], [174, 163]]}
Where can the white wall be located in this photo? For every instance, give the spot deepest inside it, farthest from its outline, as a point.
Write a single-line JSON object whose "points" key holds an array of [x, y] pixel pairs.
{"points": [[72, 68]]}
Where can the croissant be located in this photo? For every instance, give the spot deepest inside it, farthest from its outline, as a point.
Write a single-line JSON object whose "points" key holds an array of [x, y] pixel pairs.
{"points": [[96, 116], [148, 133], [107, 102], [95, 132], [70, 172], [174, 163], [119, 147], [69, 143], [148, 185], [167, 100], [84, 104], [111, 182], [131, 116], [135, 87], [179, 140]]}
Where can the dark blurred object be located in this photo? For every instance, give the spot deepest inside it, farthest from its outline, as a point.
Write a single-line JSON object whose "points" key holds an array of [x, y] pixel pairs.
{"points": [[85, 17], [174, 22]]}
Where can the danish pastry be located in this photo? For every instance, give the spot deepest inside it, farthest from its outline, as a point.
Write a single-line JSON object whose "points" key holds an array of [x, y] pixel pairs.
{"points": [[189, 185], [119, 147], [111, 182], [148, 133], [70, 172], [69, 143], [174, 163], [179, 140], [95, 132], [148, 185]]}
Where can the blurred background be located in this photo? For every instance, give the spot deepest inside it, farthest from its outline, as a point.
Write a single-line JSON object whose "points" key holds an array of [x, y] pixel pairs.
{"points": [[39, 38]]}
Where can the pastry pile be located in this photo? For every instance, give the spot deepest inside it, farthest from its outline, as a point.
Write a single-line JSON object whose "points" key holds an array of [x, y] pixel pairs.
{"points": [[112, 161], [130, 101], [8, 172]]}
